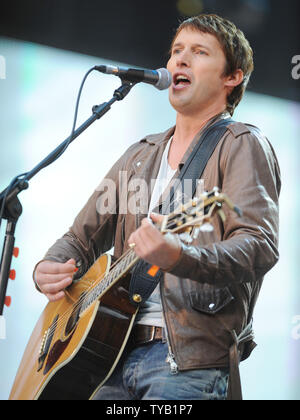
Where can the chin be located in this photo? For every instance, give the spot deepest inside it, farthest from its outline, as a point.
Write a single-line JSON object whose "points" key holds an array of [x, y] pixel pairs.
{"points": [[179, 103], [183, 107]]}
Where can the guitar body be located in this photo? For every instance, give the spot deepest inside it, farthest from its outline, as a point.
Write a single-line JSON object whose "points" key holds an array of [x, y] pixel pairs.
{"points": [[69, 353]]}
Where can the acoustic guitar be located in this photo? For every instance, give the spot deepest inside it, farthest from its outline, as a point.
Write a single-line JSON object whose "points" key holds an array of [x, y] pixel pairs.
{"points": [[78, 340]]}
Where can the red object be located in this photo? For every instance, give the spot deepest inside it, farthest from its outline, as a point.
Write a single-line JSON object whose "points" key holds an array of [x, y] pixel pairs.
{"points": [[16, 252], [7, 301], [12, 274]]}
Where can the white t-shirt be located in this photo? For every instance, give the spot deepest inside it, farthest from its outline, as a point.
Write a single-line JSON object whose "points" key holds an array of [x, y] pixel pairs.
{"points": [[150, 312]]}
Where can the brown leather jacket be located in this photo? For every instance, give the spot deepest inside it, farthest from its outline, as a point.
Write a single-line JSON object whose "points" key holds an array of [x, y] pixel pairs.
{"points": [[209, 296]]}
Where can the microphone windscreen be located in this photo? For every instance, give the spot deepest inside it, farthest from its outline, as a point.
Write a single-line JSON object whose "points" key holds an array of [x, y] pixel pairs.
{"points": [[165, 79]]}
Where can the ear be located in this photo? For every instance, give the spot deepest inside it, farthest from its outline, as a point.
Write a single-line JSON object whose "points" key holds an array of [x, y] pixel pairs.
{"points": [[234, 79]]}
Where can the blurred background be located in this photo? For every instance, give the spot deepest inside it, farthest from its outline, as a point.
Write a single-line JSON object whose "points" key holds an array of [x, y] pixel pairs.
{"points": [[45, 49]]}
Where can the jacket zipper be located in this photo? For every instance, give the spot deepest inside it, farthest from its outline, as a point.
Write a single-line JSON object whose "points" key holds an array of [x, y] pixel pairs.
{"points": [[171, 357]]}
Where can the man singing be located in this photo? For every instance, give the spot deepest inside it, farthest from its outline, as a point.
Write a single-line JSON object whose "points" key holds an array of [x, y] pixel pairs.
{"points": [[195, 327]]}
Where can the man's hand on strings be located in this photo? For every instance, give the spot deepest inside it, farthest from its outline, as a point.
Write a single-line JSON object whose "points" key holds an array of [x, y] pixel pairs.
{"points": [[53, 277]]}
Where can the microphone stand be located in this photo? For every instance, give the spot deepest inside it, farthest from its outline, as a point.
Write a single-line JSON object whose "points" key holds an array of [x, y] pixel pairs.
{"points": [[9, 196]]}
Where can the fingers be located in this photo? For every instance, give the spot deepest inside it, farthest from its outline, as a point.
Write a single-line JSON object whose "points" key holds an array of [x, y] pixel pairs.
{"points": [[44, 278], [51, 267], [148, 240], [55, 297], [157, 218], [52, 277], [144, 238], [154, 247], [57, 286]]}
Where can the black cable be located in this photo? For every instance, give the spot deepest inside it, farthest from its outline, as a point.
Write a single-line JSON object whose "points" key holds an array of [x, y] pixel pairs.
{"points": [[74, 121], [59, 153]]}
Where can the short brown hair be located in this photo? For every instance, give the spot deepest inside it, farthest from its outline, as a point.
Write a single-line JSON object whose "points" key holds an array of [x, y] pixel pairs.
{"points": [[237, 50]]}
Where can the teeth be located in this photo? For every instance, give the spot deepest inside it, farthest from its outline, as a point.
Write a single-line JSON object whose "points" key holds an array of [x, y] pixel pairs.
{"points": [[181, 78]]}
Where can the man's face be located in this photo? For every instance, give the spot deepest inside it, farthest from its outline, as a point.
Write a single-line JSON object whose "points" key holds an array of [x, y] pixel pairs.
{"points": [[197, 65]]}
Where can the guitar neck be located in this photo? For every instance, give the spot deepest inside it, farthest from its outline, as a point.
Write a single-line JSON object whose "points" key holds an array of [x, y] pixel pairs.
{"points": [[119, 269]]}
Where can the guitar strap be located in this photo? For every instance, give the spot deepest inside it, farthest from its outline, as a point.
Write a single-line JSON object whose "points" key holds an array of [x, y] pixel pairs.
{"points": [[145, 277]]}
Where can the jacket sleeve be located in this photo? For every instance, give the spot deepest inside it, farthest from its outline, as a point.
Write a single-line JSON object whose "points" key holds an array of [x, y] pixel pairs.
{"points": [[248, 247]]}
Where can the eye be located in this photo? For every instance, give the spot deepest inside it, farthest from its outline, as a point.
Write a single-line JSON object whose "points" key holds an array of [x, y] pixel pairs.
{"points": [[201, 52], [176, 51]]}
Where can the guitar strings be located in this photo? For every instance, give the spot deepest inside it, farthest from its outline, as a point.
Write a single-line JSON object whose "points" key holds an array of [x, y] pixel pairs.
{"points": [[91, 288], [67, 313]]}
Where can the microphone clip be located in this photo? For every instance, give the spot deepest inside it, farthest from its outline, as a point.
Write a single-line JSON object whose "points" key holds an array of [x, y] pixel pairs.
{"points": [[124, 89], [119, 95]]}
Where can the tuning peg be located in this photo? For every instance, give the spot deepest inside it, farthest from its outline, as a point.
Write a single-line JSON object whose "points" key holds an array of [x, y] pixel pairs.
{"points": [[195, 201], [12, 274], [7, 301], [16, 252]]}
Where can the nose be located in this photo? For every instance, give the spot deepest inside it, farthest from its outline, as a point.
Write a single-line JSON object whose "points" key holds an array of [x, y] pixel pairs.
{"points": [[183, 59]]}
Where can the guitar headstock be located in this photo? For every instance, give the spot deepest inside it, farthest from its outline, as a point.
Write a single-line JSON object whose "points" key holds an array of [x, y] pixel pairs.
{"points": [[197, 212]]}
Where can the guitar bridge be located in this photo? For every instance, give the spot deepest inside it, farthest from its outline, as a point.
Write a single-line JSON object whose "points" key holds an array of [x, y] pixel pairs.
{"points": [[45, 343]]}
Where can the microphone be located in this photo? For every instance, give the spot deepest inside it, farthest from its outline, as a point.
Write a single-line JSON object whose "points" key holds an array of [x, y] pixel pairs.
{"points": [[160, 78]]}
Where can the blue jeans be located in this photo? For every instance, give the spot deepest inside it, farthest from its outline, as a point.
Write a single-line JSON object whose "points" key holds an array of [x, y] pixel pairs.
{"points": [[144, 374]]}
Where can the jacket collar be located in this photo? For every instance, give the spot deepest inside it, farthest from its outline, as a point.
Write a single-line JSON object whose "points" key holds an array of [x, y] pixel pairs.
{"points": [[158, 139], [161, 138]]}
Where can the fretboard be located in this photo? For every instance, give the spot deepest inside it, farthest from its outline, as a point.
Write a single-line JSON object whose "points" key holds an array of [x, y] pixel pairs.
{"points": [[120, 268]]}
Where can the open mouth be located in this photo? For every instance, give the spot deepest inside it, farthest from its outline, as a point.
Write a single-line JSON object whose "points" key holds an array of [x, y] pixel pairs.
{"points": [[181, 80]]}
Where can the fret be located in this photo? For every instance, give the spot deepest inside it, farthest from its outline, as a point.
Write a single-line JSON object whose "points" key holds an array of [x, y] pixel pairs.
{"points": [[123, 264]]}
